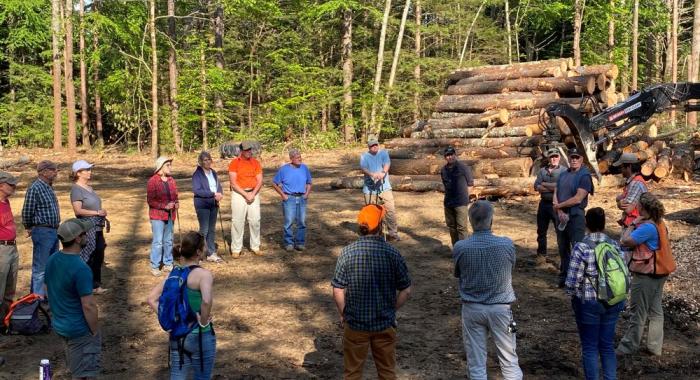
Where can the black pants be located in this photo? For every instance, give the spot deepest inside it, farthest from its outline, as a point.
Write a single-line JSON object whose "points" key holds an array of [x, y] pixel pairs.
{"points": [[545, 215], [572, 234], [97, 259]]}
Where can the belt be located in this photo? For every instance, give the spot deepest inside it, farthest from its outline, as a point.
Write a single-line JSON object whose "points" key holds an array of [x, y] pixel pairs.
{"points": [[8, 242], [295, 194], [45, 226]]}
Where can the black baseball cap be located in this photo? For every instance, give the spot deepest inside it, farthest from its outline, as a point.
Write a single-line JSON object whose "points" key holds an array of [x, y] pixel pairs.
{"points": [[449, 151]]}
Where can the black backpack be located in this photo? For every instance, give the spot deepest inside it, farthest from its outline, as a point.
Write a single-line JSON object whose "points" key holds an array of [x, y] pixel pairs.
{"points": [[27, 317]]}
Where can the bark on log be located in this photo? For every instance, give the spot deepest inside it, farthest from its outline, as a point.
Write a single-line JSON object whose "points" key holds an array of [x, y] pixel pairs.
{"points": [[605, 163], [663, 163], [462, 152], [479, 120], [547, 72], [485, 143], [21, 160], [561, 63], [523, 121], [471, 133], [481, 103], [609, 70], [683, 161], [648, 167], [506, 167], [567, 86]]}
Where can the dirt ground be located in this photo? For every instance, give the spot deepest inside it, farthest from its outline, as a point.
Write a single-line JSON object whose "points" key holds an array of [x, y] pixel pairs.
{"points": [[275, 317]]}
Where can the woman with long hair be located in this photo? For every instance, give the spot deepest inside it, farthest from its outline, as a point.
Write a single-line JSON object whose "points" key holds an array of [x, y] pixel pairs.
{"points": [[207, 195], [648, 237], [163, 203], [88, 205], [197, 352]]}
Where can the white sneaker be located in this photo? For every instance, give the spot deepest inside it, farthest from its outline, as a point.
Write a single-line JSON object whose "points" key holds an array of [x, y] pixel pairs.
{"points": [[156, 272], [214, 258], [167, 268]]}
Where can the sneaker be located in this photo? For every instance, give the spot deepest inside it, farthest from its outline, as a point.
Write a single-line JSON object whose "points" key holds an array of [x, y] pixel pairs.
{"points": [[300, 248], [156, 272], [289, 248], [214, 258], [167, 268], [236, 255], [257, 252]]}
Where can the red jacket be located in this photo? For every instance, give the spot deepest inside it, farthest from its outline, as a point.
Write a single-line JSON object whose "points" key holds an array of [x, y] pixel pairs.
{"points": [[158, 198]]}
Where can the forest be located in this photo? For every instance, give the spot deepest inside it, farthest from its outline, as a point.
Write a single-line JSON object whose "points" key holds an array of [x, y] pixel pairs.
{"points": [[173, 76]]}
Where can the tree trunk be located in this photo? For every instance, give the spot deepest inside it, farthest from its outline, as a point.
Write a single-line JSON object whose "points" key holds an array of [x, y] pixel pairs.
{"points": [[472, 132], [56, 73], [564, 86], [506, 167], [578, 19], [508, 32], [70, 89], [394, 66], [611, 33], [610, 71], [674, 53], [683, 162], [416, 69], [99, 141], [379, 68], [172, 76], [469, 32], [695, 61], [663, 163], [346, 54], [518, 73], [478, 120], [648, 167], [483, 187], [219, 46], [546, 67], [485, 102], [154, 80], [84, 119], [668, 62], [635, 45], [203, 94]]}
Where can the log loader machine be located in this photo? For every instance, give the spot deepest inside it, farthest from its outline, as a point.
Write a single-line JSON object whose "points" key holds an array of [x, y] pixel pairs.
{"points": [[592, 134]]}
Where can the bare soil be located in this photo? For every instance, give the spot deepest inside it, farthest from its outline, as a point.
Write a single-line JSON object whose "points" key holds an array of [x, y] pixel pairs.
{"points": [[275, 317]]}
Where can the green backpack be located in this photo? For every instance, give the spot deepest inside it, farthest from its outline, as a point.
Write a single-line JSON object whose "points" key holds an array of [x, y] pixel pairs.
{"points": [[613, 281]]}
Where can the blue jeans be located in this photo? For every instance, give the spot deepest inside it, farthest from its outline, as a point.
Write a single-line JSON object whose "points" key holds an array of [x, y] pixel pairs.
{"points": [[596, 329], [207, 226], [162, 245], [294, 209], [45, 241], [193, 359]]}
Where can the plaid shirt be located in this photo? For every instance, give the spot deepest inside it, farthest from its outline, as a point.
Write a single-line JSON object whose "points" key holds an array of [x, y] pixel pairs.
{"points": [[634, 189], [40, 206], [158, 198], [484, 265], [583, 266], [371, 271]]}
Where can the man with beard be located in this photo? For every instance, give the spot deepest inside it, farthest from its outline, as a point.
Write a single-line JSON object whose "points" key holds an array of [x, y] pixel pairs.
{"points": [[73, 306]]}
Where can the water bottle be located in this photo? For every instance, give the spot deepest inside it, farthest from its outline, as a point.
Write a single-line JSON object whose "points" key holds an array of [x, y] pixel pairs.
{"points": [[563, 220], [44, 370]]}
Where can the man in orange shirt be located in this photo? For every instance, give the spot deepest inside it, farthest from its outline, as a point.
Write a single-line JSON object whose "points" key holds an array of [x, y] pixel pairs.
{"points": [[245, 175]]}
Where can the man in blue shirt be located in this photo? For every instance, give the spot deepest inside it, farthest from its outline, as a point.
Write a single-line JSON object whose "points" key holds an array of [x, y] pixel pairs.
{"points": [[457, 178], [41, 216], [570, 199], [293, 183], [370, 284], [73, 306], [375, 165], [484, 265]]}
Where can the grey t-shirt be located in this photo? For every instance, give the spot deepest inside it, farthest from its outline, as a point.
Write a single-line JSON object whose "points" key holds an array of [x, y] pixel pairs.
{"points": [[91, 201]]}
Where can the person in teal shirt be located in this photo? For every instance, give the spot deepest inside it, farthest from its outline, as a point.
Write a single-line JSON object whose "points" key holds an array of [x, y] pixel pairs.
{"points": [[69, 288]]}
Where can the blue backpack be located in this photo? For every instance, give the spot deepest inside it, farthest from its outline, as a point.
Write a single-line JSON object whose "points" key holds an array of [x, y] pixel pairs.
{"points": [[174, 312]]}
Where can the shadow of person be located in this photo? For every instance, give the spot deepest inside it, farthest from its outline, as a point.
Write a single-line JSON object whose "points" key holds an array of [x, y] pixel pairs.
{"points": [[326, 361]]}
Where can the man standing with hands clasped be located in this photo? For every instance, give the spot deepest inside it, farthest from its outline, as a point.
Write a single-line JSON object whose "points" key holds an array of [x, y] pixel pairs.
{"points": [[375, 165], [293, 183], [545, 184], [41, 217], [245, 177], [457, 179], [9, 258], [370, 284]]}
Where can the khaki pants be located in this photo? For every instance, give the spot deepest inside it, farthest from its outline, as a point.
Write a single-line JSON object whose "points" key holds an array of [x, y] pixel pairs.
{"points": [[240, 212], [457, 220], [355, 347], [9, 264], [645, 302], [387, 200]]}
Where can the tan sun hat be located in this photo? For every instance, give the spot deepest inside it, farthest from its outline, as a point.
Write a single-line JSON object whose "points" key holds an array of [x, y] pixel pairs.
{"points": [[162, 160]]}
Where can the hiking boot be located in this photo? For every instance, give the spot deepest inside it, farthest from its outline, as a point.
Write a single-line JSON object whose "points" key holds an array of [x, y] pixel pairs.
{"points": [[236, 255], [167, 268], [214, 258], [156, 272], [257, 252], [289, 248], [300, 248]]}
